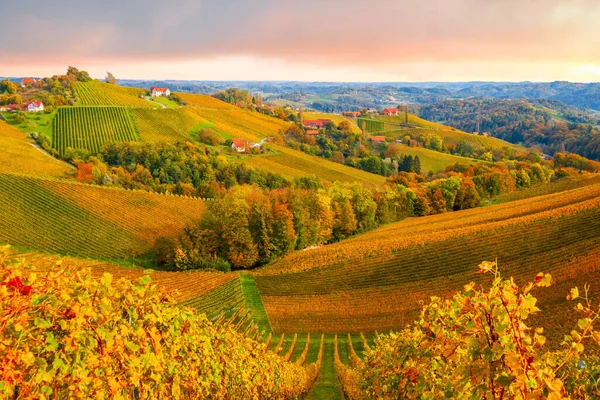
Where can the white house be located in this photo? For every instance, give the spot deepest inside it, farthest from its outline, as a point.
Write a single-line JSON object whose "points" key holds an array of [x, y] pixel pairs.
{"points": [[34, 106], [158, 92]]}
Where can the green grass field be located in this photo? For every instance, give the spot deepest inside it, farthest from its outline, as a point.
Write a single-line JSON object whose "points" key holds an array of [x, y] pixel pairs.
{"points": [[164, 101]]}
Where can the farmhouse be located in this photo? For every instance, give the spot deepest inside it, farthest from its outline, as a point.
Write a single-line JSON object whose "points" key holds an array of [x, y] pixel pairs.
{"points": [[378, 139], [28, 81], [158, 92], [11, 108], [34, 106], [316, 123], [390, 111], [239, 145]]}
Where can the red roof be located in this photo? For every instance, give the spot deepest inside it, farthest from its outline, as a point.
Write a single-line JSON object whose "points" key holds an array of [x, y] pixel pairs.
{"points": [[27, 81], [237, 142], [390, 110], [37, 104], [318, 123], [377, 138], [159, 89]]}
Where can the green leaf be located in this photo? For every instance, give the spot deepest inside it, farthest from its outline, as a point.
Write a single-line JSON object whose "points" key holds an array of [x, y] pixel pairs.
{"points": [[42, 323], [145, 280], [504, 380]]}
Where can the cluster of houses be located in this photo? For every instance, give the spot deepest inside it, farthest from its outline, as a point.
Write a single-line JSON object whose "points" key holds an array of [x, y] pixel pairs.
{"points": [[159, 92], [30, 106]]}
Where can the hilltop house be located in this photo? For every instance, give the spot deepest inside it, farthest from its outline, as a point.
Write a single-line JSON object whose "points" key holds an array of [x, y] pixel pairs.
{"points": [[316, 123], [34, 106], [28, 81], [158, 92], [377, 139], [239, 145], [390, 111]]}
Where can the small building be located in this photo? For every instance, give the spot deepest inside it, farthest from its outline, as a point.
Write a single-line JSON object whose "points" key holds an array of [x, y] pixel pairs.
{"points": [[239, 145], [159, 92], [377, 139], [312, 132], [398, 141], [28, 81], [11, 108], [316, 123], [390, 111], [34, 106]]}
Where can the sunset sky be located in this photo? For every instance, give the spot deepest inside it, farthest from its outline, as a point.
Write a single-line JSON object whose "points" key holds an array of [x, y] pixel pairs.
{"points": [[309, 40]]}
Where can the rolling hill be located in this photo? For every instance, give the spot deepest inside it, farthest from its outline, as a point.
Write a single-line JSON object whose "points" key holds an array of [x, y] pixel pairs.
{"points": [[84, 220], [375, 281], [419, 126], [95, 93], [294, 163], [20, 155]]}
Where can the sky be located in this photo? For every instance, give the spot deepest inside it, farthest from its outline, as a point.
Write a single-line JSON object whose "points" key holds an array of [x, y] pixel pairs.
{"points": [[308, 40]]}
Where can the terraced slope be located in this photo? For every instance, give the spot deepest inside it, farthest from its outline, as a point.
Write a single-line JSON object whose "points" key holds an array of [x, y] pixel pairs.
{"points": [[238, 123], [91, 127], [393, 130], [375, 281], [19, 155], [96, 93], [434, 160], [293, 163], [205, 101], [170, 125], [97, 222]]}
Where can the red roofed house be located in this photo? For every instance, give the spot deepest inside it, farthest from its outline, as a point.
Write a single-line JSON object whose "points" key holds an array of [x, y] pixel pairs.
{"points": [[12, 107], [34, 106], [239, 145], [312, 132], [158, 92], [316, 123], [390, 111], [378, 139], [28, 81]]}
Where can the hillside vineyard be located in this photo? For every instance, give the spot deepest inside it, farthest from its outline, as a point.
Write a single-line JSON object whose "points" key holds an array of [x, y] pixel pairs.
{"points": [[243, 244]]}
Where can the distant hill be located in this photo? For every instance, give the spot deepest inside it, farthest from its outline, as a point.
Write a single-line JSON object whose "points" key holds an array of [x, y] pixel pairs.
{"points": [[551, 125], [349, 96]]}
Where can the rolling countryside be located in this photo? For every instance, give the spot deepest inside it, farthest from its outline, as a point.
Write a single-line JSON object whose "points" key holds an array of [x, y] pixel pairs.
{"points": [[222, 246]]}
